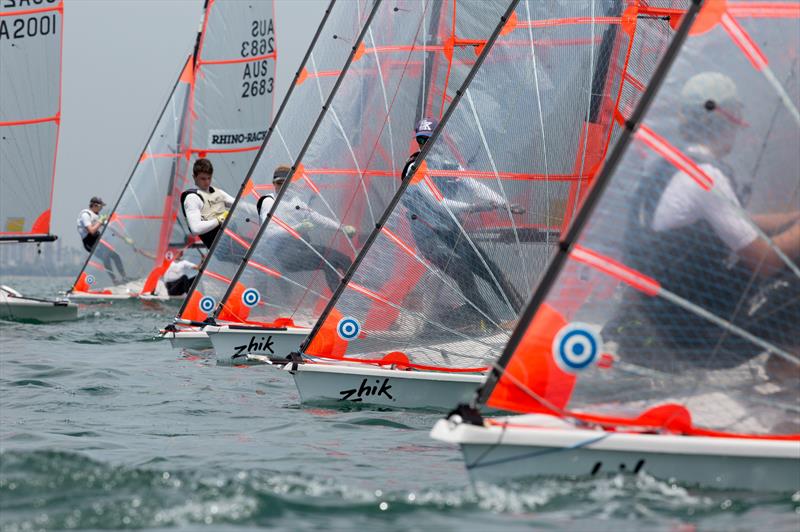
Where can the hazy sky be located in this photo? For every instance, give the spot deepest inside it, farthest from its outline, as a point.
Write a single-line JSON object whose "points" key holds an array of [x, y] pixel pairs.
{"points": [[121, 59]]}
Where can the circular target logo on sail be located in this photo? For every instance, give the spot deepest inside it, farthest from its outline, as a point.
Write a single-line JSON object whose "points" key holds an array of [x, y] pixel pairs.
{"points": [[251, 297], [90, 280], [207, 304], [348, 328], [576, 347]]}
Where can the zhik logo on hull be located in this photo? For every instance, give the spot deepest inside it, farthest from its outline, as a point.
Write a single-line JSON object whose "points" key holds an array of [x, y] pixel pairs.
{"points": [[366, 390], [254, 346]]}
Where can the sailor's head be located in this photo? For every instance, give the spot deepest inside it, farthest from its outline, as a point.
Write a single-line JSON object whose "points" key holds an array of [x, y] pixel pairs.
{"points": [[96, 204], [711, 111], [279, 176], [424, 130], [203, 171]]}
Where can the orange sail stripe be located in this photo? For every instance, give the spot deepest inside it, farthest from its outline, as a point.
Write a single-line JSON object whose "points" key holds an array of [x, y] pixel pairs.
{"points": [[57, 7], [615, 269], [675, 157], [765, 10], [273, 55], [217, 276], [396, 239], [55, 118], [287, 227], [745, 43], [262, 268], [236, 238], [224, 150], [568, 22]]}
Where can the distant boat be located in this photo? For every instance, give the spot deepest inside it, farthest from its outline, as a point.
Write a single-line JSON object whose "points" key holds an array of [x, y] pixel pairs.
{"points": [[406, 64], [220, 108], [316, 76], [30, 118], [688, 371]]}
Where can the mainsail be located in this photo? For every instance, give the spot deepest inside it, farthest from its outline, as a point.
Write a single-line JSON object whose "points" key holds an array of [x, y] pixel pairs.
{"points": [[312, 85], [696, 219], [406, 64], [30, 115], [470, 234], [219, 108]]}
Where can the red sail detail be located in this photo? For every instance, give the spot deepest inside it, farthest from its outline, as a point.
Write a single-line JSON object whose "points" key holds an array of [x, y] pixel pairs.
{"points": [[42, 224], [533, 382], [233, 309], [327, 343], [192, 311]]}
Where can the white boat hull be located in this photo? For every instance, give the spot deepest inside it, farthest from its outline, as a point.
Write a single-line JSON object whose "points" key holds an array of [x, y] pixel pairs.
{"points": [[193, 339], [233, 345], [383, 387], [23, 309], [557, 449]]}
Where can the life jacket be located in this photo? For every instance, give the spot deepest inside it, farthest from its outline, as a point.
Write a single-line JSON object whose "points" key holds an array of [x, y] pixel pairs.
{"points": [[213, 206], [693, 263], [261, 202], [90, 239]]}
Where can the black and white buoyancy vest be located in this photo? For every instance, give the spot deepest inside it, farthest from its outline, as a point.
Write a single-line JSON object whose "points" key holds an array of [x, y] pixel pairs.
{"points": [[213, 206]]}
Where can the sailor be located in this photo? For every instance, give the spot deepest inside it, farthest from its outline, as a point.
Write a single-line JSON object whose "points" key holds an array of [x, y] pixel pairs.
{"points": [[179, 276], [442, 241], [710, 250], [90, 224], [300, 254], [204, 206]]}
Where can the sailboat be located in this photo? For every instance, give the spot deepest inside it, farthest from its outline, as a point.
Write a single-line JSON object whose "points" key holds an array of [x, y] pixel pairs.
{"points": [[435, 295], [30, 117], [687, 374], [219, 109], [406, 64], [320, 68]]}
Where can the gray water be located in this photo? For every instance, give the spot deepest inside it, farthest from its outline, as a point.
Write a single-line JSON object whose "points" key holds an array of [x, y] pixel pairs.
{"points": [[103, 427]]}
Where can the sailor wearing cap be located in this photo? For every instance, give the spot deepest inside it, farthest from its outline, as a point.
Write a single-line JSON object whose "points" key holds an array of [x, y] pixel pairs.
{"points": [[90, 223]]}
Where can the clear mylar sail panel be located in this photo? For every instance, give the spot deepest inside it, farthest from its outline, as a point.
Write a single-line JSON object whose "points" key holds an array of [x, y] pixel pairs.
{"points": [[696, 236], [352, 166], [467, 242], [220, 110], [291, 130], [30, 111]]}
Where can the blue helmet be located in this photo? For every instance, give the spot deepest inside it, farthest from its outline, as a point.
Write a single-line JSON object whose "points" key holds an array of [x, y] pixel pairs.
{"points": [[425, 127]]}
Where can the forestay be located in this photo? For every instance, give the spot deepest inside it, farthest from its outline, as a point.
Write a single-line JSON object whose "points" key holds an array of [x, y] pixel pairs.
{"points": [[220, 109], [407, 63], [30, 115], [469, 237], [697, 223], [290, 128]]}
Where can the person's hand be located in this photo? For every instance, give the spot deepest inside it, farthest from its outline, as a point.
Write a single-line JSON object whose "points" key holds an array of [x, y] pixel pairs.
{"points": [[103, 218], [221, 217], [304, 227], [349, 231], [128, 240], [517, 209]]}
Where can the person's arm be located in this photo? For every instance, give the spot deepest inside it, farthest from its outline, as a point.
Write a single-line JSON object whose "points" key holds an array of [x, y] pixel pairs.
{"points": [[760, 256], [315, 217], [86, 221], [228, 199], [775, 221], [485, 196], [192, 206], [266, 206]]}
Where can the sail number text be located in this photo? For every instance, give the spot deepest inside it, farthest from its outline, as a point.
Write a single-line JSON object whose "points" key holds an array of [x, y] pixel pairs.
{"points": [[32, 26], [256, 80]]}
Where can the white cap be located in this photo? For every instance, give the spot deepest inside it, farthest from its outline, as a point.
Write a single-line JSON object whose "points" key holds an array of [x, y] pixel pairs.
{"points": [[709, 87]]}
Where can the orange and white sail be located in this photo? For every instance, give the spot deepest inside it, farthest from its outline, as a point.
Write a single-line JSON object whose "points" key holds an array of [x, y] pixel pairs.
{"points": [[31, 36], [471, 233], [220, 109], [696, 221], [314, 80], [407, 63]]}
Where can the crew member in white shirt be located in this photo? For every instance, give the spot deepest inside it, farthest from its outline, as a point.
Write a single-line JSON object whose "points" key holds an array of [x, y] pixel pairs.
{"points": [[90, 225], [179, 276], [296, 255]]}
